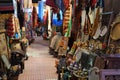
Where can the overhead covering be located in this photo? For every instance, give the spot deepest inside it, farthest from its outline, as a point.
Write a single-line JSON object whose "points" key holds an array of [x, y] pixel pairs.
{"points": [[5, 1], [6, 5], [35, 1]]}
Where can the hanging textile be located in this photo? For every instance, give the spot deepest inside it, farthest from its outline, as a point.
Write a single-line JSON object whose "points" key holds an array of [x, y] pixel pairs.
{"points": [[85, 30], [83, 21], [27, 4], [96, 22], [77, 21], [55, 21], [45, 17], [40, 10], [34, 18], [21, 19], [93, 4], [49, 22], [67, 22], [3, 18], [98, 30], [66, 3], [60, 5], [10, 27], [68, 33], [13, 27], [51, 3], [6, 6], [17, 28]]}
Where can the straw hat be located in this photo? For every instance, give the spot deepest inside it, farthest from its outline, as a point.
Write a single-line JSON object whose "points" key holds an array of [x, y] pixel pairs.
{"points": [[115, 34]]}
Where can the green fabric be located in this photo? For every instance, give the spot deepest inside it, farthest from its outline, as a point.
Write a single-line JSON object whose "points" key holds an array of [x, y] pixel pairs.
{"points": [[68, 33], [8, 44], [69, 28]]}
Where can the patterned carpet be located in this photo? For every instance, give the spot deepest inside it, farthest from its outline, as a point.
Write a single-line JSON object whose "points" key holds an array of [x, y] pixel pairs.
{"points": [[40, 65]]}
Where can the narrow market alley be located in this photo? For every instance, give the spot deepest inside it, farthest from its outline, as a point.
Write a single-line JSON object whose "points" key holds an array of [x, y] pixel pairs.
{"points": [[40, 65], [59, 39]]}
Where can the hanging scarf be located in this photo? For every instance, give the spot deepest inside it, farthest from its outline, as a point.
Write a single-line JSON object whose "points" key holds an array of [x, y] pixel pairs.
{"points": [[96, 23], [67, 24], [68, 33], [51, 3], [35, 18], [93, 3], [27, 3], [66, 3], [86, 25], [45, 18], [60, 5]]}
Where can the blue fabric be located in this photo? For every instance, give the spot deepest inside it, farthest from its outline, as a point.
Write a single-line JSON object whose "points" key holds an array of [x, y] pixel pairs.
{"points": [[40, 10], [16, 35], [57, 23], [55, 20]]}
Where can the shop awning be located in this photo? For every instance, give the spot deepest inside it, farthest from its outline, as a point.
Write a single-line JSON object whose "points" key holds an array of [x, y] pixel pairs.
{"points": [[6, 6], [35, 1]]}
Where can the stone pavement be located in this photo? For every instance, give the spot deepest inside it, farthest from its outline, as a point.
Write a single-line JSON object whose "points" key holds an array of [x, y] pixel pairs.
{"points": [[40, 65]]}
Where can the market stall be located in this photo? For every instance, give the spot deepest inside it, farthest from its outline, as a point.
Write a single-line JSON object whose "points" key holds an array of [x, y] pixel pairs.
{"points": [[90, 37], [12, 55]]}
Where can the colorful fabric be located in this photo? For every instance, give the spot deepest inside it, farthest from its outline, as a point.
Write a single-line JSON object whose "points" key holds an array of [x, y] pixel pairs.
{"points": [[27, 3], [66, 3], [13, 27], [45, 17], [67, 22], [69, 28], [40, 10], [93, 3], [51, 3], [35, 18], [60, 5]]}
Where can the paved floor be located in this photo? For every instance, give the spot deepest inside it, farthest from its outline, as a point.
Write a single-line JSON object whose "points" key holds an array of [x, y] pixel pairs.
{"points": [[40, 65]]}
